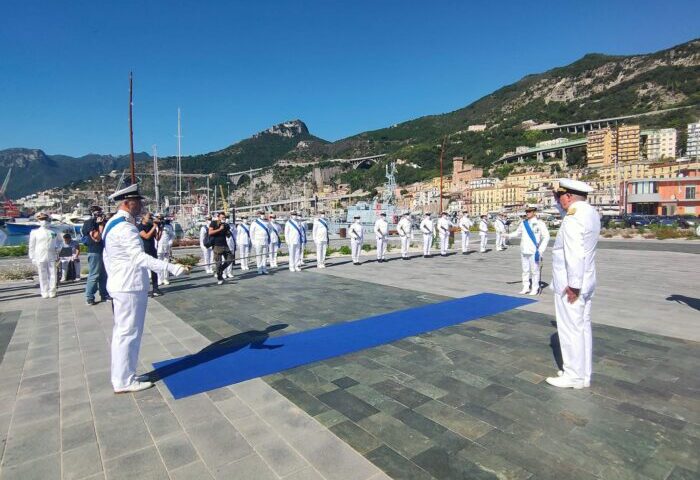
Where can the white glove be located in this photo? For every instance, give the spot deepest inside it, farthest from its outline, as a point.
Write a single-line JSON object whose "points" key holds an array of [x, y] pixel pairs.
{"points": [[176, 269]]}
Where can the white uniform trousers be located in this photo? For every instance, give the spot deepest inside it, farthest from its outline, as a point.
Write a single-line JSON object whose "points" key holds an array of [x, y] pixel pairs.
{"points": [[207, 259], [294, 250], [499, 241], [165, 276], [47, 278], [531, 270], [504, 239], [64, 268], [405, 242], [465, 242], [273, 254], [356, 248], [129, 315], [484, 240], [244, 252], [260, 256], [321, 249], [381, 248], [427, 243], [575, 336], [444, 244], [302, 253]]}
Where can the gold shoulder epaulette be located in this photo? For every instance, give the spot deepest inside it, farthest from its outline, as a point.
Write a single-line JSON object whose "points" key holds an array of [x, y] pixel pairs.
{"points": [[571, 211]]}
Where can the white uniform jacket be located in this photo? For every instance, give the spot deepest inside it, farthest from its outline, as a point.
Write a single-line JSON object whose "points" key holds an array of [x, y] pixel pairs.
{"points": [[404, 227], [243, 237], [427, 227], [444, 225], [202, 233], [274, 232], [356, 232], [465, 224], [539, 229], [165, 244], [125, 261], [499, 226], [292, 232], [483, 227], [231, 240], [319, 232], [258, 234], [573, 254], [381, 229], [44, 245]]}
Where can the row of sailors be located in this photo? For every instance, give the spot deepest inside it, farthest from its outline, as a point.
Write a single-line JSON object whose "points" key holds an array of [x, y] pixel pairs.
{"points": [[262, 235]]}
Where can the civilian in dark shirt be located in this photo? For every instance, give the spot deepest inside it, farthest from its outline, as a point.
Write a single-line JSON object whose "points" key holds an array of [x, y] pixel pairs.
{"points": [[97, 275], [218, 231], [149, 231]]}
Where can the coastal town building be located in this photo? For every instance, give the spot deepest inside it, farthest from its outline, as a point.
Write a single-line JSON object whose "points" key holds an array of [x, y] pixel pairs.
{"points": [[658, 144], [693, 143], [663, 196]]}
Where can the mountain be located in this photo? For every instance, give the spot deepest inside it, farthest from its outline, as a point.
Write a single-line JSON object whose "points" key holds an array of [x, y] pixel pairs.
{"points": [[33, 170]]}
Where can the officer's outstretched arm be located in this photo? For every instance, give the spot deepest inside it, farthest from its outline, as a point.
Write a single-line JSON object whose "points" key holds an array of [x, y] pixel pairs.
{"points": [[139, 258]]}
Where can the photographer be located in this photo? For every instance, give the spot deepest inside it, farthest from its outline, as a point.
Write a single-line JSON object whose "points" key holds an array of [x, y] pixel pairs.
{"points": [[150, 230], [219, 231], [92, 238]]}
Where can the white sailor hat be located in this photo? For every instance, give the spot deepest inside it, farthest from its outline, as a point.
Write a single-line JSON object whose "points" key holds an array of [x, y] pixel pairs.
{"points": [[130, 192], [568, 185]]}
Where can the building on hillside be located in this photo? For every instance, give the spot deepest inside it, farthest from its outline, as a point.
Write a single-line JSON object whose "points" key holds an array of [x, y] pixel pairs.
{"points": [[663, 196], [497, 198], [659, 144], [551, 143], [601, 147], [530, 180], [628, 143], [476, 128], [482, 182], [693, 143], [463, 172]]}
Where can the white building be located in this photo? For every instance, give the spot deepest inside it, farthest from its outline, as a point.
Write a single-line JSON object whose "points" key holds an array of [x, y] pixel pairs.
{"points": [[693, 146], [661, 144], [476, 128]]}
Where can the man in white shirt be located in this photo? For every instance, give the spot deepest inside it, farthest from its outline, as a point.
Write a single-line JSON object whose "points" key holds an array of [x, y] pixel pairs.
{"points": [[404, 230], [260, 237], [275, 240], [293, 237], [128, 268], [574, 282], [427, 228], [207, 257], [465, 224], [534, 237], [444, 226], [357, 236], [483, 233], [244, 242], [43, 249], [381, 235], [320, 234], [500, 227]]}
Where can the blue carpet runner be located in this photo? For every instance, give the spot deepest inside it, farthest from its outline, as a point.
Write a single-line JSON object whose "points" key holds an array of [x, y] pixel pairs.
{"points": [[254, 354]]}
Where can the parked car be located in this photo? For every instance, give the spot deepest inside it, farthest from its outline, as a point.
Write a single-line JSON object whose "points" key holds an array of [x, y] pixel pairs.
{"points": [[615, 221], [636, 221]]}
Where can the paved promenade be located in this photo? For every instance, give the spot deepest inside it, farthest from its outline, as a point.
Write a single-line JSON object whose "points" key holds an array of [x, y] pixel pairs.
{"points": [[466, 401]]}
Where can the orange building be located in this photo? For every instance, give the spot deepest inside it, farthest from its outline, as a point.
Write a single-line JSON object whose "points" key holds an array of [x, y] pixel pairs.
{"points": [[663, 196]]}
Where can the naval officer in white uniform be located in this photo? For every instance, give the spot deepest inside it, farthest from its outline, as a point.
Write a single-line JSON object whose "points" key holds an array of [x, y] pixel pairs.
{"points": [[534, 237], [275, 240], [321, 237], [404, 229], [574, 281], [260, 236], [483, 233], [444, 226], [357, 237], [244, 242], [293, 237], [465, 223], [381, 235], [427, 228], [128, 269], [44, 246]]}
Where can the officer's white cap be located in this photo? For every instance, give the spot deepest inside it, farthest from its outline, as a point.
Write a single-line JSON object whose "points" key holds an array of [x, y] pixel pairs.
{"points": [[568, 185], [132, 191]]}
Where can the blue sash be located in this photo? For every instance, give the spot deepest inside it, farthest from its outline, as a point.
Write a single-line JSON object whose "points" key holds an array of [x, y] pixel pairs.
{"points": [[247, 232], [277, 234], [325, 225], [267, 231], [303, 235], [296, 227], [109, 226], [531, 234]]}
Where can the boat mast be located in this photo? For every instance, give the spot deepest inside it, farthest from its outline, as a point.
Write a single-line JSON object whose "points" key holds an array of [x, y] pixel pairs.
{"points": [[179, 162], [131, 126], [156, 179], [442, 151]]}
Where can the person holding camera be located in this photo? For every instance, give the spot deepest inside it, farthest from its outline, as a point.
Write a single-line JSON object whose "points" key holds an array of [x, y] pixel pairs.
{"points": [[92, 238], [150, 230], [219, 231]]}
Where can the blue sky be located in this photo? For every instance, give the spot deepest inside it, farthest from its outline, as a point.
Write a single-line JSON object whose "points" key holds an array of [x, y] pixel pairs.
{"points": [[235, 68]]}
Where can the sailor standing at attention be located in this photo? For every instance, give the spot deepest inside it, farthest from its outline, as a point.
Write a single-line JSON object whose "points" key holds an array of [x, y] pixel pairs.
{"points": [[244, 243], [292, 237], [404, 229], [321, 238], [207, 257], [574, 281], [465, 224], [357, 236], [275, 240], [302, 246], [500, 227], [381, 235], [444, 225], [260, 235], [427, 228], [44, 246], [533, 242], [128, 268], [483, 232]]}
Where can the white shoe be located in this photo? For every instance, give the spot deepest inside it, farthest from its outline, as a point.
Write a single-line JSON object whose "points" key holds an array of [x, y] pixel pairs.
{"points": [[525, 290], [586, 383], [52, 295], [166, 282], [534, 292], [135, 387], [219, 282], [297, 269], [565, 382]]}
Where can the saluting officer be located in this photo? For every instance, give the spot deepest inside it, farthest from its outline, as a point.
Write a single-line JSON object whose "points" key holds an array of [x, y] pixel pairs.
{"points": [[533, 242], [128, 269], [574, 281]]}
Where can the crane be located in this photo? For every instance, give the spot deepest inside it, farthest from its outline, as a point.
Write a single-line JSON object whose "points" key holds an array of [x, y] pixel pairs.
{"points": [[223, 199], [3, 189]]}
